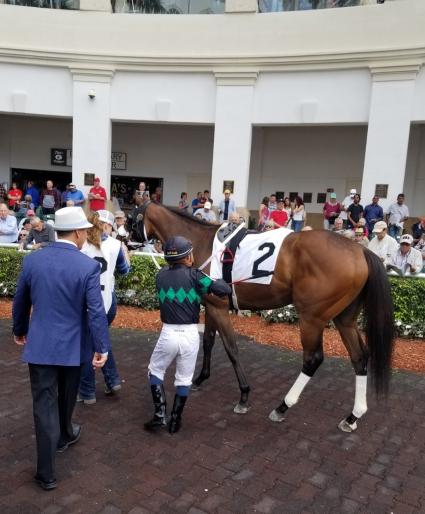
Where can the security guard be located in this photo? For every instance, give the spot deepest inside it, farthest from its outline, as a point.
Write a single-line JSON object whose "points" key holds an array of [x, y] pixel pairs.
{"points": [[180, 288]]}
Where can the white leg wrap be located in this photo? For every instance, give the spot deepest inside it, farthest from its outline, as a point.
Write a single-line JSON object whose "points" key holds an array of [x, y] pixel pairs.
{"points": [[360, 402], [294, 393]]}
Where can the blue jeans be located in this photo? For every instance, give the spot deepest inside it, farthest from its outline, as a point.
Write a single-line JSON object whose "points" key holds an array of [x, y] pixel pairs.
{"points": [[87, 389], [394, 231], [297, 225]]}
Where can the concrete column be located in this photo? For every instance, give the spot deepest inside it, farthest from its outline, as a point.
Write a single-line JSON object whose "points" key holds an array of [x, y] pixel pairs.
{"points": [[92, 127], [388, 131], [232, 135]]}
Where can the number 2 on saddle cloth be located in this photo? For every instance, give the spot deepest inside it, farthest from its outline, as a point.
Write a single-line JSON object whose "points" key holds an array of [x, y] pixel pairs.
{"points": [[228, 257]]}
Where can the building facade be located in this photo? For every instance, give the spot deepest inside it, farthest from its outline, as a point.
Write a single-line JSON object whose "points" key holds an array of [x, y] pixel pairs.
{"points": [[303, 102]]}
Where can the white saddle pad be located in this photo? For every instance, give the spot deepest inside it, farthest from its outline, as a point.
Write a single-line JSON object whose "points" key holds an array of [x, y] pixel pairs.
{"points": [[255, 257]]}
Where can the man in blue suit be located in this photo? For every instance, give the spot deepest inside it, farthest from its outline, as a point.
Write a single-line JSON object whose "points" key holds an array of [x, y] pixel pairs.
{"points": [[62, 286]]}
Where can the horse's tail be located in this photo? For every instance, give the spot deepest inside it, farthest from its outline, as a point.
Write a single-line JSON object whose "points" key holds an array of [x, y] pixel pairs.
{"points": [[379, 313]]}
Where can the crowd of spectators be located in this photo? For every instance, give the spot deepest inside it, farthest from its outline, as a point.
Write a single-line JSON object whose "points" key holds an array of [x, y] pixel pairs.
{"points": [[24, 218]]}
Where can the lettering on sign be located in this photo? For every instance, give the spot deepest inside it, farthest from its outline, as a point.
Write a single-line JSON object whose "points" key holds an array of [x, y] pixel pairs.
{"points": [[118, 161], [58, 157], [63, 157]]}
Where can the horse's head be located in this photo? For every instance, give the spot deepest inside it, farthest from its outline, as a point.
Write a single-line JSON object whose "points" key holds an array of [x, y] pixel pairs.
{"points": [[145, 221]]}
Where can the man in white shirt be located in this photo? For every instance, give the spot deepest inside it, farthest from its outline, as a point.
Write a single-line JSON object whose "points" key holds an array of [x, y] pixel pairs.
{"points": [[384, 246], [206, 213], [407, 259], [397, 214], [348, 200], [8, 226]]}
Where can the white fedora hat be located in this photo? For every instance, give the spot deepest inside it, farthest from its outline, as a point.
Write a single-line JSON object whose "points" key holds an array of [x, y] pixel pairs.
{"points": [[106, 217], [70, 218]]}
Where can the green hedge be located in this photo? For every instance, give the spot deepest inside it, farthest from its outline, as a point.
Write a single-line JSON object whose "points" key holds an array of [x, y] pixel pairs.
{"points": [[138, 289]]}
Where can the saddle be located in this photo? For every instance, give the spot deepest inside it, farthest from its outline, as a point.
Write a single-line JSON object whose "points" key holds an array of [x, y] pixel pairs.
{"points": [[228, 255]]}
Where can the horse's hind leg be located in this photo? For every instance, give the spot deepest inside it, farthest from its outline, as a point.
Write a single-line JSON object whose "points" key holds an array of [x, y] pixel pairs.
{"points": [[312, 342], [347, 325], [208, 343]]}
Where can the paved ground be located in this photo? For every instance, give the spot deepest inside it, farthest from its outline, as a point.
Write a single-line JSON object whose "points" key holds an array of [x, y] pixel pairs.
{"points": [[221, 462]]}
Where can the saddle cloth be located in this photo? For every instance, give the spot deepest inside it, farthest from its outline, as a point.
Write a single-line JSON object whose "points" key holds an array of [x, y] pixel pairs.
{"points": [[255, 257]]}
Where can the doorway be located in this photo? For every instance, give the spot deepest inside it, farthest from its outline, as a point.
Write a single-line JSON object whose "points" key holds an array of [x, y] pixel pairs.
{"points": [[60, 179]]}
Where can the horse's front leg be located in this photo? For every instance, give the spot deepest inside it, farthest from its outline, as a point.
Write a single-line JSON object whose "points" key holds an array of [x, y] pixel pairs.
{"points": [[219, 312], [208, 343]]}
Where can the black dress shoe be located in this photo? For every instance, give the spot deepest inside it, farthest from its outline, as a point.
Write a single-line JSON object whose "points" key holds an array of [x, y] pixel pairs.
{"points": [[46, 486], [76, 433]]}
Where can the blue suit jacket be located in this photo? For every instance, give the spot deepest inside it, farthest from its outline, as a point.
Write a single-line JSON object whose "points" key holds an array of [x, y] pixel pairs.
{"points": [[63, 288]]}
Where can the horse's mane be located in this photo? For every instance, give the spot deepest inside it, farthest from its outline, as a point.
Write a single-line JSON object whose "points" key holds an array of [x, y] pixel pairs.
{"points": [[191, 218]]}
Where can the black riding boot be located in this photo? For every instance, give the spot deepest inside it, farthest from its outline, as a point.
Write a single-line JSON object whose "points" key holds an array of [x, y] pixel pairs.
{"points": [[176, 414], [159, 401]]}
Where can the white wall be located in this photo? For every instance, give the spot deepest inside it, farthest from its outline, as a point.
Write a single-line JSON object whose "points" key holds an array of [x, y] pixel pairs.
{"points": [[35, 90], [303, 159], [414, 186], [306, 160], [29, 141], [170, 152], [311, 97], [168, 97], [418, 108]]}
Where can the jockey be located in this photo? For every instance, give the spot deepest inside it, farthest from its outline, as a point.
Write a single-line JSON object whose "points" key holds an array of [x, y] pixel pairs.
{"points": [[180, 288]]}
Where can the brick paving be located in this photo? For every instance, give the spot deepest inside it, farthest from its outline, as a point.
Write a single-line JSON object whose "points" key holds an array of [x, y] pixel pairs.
{"points": [[220, 462]]}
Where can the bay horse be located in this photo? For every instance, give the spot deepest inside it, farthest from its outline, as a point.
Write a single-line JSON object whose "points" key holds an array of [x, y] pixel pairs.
{"points": [[326, 277]]}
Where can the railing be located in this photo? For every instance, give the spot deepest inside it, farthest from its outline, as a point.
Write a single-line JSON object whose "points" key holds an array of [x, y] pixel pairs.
{"points": [[168, 6], [46, 4], [304, 5]]}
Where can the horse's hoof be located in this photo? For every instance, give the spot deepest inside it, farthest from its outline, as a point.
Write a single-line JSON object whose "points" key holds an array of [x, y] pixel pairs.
{"points": [[346, 427], [241, 409], [276, 416]]}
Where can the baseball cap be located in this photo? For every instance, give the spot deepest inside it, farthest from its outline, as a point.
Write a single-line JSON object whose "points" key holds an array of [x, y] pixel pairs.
{"points": [[333, 195], [96, 179], [379, 227], [106, 217], [359, 231], [353, 191], [72, 185], [176, 248], [30, 212], [119, 214], [406, 238], [207, 205], [227, 191]]}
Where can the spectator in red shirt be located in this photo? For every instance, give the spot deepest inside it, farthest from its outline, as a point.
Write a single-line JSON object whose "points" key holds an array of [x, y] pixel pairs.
{"points": [[97, 196], [279, 216], [14, 196]]}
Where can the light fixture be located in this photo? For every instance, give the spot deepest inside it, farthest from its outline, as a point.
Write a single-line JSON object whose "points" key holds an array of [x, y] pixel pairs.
{"points": [[92, 94]]}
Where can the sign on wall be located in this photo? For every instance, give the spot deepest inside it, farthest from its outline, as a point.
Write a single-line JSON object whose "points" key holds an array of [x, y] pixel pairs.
{"points": [[63, 157], [58, 156], [381, 190], [118, 161], [229, 184]]}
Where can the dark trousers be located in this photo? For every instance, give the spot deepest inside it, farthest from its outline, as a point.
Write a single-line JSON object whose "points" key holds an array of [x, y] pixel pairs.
{"points": [[54, 393]]}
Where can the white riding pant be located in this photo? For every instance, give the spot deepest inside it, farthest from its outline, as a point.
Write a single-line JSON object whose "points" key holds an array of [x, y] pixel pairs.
{"points": [[180, 342]]}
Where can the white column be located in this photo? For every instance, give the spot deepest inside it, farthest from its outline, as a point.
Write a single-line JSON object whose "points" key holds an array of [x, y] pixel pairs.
{"points": [[388, 131], [92, 127], [233, 134]]}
